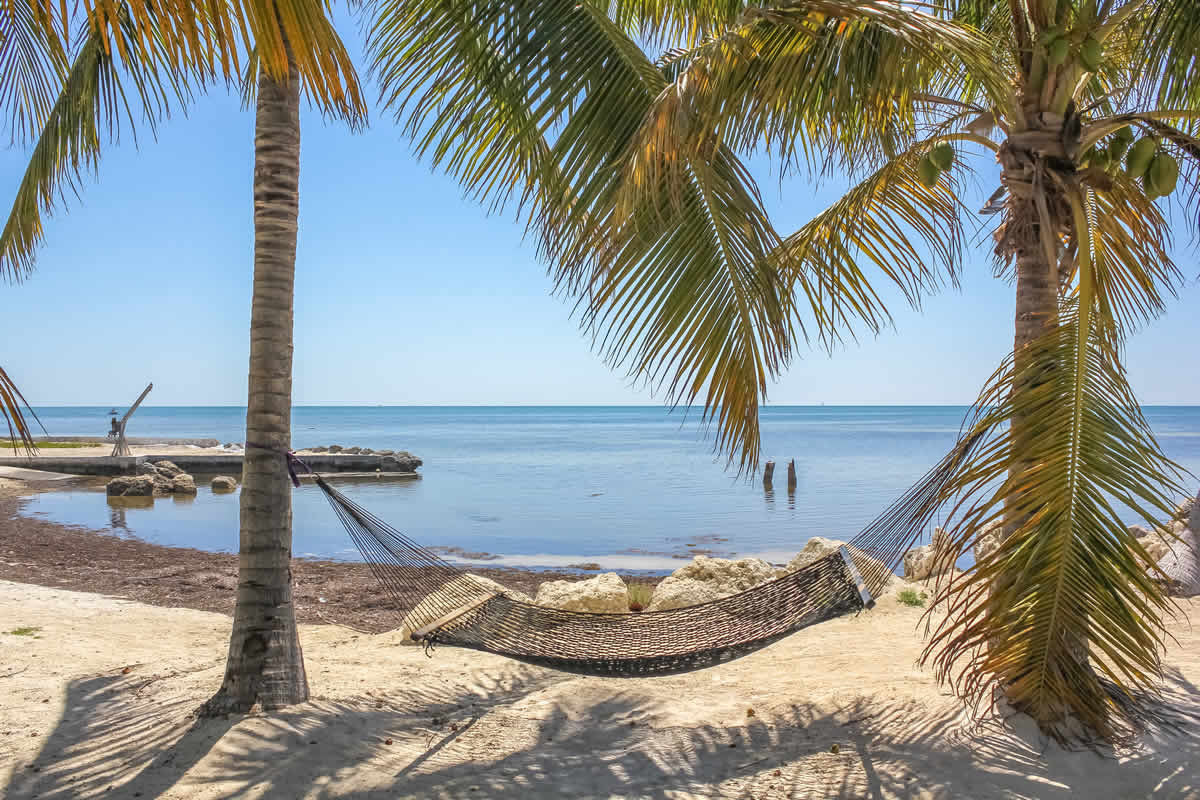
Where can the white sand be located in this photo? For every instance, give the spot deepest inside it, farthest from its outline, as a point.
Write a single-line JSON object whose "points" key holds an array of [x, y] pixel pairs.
{"points": [[386, 721]]}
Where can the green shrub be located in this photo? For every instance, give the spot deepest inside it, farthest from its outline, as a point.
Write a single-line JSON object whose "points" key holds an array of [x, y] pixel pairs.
{"points": [[909, 597], [639, 596]]}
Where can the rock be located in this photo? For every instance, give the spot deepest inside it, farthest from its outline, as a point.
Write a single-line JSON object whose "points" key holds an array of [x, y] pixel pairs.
{"points": [[366, 451], [167, 468], [146, 468], [335, 448], [604, 593], [1182, 565], [815, 549], [400, 462], [434, 604], [223, 483], [321, 449], [352, 450], [1184, 510], [130, 486], [988, 539], [183, 484], [163, 485], [708, 579], [384, 452], [930, 560]]}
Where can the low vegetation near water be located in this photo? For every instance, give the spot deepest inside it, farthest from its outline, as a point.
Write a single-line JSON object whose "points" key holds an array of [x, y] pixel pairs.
{"points": [[910, 597], [13, 445], [639, 596]]}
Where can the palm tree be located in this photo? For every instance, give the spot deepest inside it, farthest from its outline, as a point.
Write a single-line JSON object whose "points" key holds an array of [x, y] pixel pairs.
{"points": [[293, 43], [630, 172]]}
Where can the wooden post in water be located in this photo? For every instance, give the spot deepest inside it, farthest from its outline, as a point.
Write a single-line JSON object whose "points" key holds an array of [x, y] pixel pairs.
{"points": [[792, 475], [768, 474]]}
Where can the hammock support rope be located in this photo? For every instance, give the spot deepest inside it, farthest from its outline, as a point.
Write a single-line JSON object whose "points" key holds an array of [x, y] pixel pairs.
{"points": [[446, 606]]}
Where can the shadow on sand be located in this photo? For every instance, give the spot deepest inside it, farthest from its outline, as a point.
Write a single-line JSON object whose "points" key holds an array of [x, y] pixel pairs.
{"points": [[128, 737]]}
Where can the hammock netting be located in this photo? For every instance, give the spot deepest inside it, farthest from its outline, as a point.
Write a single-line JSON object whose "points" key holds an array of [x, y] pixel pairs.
{"points": [[446, 606]]}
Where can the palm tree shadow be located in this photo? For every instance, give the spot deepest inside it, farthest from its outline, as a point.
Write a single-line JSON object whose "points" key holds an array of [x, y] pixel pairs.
{"points": [[531, 732], [118, 738]]}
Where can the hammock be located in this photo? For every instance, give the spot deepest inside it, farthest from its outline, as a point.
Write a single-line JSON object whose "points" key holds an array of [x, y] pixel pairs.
{"points": [[449, 607]]}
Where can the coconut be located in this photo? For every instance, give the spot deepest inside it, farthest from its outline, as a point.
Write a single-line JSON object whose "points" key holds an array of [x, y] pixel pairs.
{"points": [[1057, 51], [1091, 53], [1137, 160], [928, 172], [1163, 174], [1149, 188], [942, 156]]}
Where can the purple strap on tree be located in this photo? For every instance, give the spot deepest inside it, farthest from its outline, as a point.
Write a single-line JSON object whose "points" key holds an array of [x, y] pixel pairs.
{"points": [[293, 461]]}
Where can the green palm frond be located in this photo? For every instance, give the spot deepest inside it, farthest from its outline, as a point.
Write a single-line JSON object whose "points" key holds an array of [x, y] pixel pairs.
{"points": [[32, 66], [12, 409], [99, 97], [817, 79], [890, 223], [1170, 62], [677, 292], [1085, 456]]}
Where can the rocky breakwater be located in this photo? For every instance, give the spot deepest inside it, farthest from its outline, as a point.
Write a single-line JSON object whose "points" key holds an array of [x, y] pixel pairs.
{"points": [[386, 460]]}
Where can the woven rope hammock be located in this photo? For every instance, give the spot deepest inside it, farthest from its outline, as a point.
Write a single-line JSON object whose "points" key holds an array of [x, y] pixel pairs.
{"points": [[448, 607]]}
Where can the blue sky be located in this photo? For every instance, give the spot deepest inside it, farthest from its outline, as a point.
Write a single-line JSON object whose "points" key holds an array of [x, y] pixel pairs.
{"points": [[407, 293]]}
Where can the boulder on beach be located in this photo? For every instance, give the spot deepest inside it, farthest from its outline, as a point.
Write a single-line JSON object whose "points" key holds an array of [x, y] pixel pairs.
{"points": [[352, 451], [130, 486], [988, 540], [320, 449], [384, 452], [708, 579], [146, 468], [1181, 563], [366, 451], [434, 605], [335, 448], [167, 468], [815, 549], [183, 484], [223, 483], [605, 593], [930, 560]]}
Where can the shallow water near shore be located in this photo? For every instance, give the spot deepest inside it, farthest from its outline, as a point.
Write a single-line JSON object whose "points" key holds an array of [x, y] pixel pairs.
{"points": [[630, 488]]}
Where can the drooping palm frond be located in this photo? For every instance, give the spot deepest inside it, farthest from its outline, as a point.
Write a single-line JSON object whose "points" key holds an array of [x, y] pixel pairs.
{"points": [[542, 100], [12, 409], [1064, 616], [98, 98], [890, 223], [32, 66]]}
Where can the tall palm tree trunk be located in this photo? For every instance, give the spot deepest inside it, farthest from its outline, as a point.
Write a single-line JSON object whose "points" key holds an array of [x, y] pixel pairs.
{"points": [[265, 665]]}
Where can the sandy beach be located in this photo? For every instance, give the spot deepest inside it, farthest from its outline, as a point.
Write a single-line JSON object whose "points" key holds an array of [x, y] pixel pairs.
{"points": [[97, 702]]}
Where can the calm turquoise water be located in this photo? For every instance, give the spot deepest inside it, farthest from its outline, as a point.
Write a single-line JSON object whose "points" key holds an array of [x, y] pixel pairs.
{"points": [[625, 487]]}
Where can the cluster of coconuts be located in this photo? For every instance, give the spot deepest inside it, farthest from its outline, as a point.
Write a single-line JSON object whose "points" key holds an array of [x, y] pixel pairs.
{"points": [[939, 159], [1145, 159], [1058, 49]]}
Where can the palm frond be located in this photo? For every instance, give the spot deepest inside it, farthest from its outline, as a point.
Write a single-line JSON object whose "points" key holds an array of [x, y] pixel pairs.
{"points": [[542, 100], [12, 409], [1170, 54], [891, 223], [100, 96], [1064, 615], [820, 78], [32, 66]]}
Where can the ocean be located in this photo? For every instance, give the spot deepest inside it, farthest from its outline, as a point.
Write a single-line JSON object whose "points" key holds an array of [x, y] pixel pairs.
{"points": [[630, 488]]}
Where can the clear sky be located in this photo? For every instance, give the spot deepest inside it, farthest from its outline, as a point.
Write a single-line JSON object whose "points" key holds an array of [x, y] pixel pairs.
{"points": [[407, 293]]}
